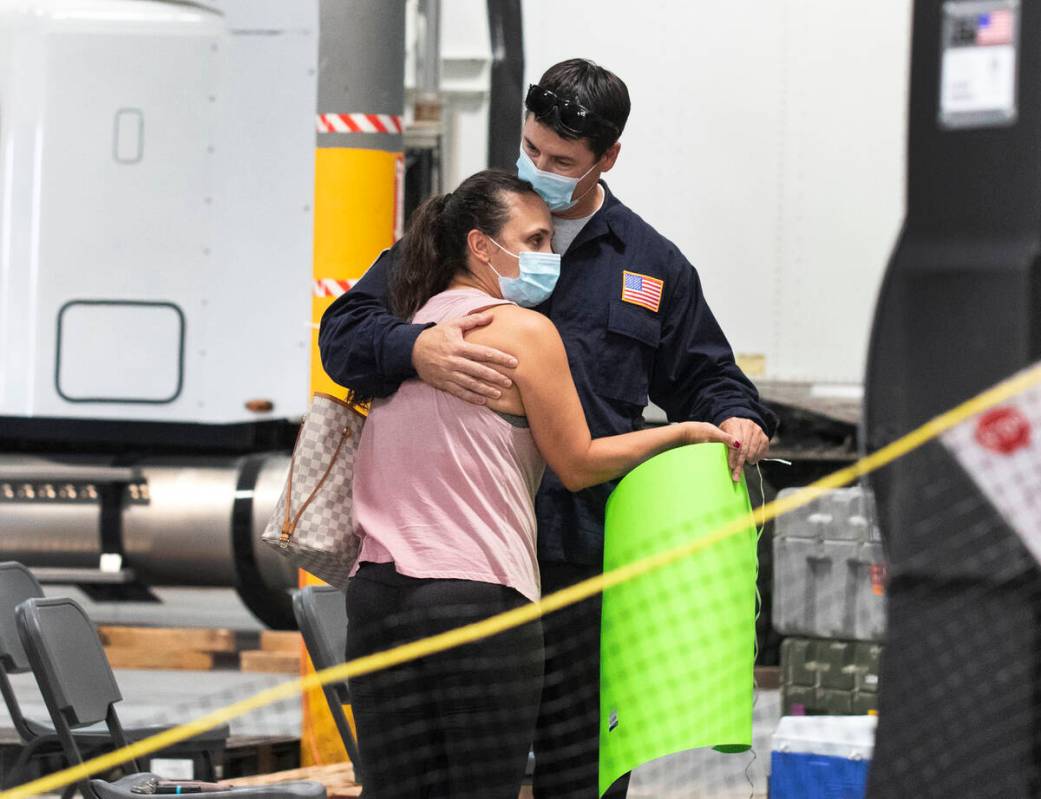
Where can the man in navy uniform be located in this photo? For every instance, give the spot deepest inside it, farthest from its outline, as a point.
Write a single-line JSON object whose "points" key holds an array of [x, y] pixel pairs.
{"points": [[635, 323]]}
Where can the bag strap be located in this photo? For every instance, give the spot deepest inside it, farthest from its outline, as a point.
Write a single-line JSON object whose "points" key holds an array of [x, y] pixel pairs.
{"points": [[290, 522]]}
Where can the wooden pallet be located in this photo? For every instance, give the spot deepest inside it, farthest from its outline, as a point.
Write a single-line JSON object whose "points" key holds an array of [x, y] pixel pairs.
{"points": [[201, 649], [279, 653], [257, 660], [123, 657], [280, 641], [246, 755], [200, 639]]}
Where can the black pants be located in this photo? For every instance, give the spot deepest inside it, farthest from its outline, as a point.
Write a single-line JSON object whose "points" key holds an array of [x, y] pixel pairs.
{"points": [[455, 725], [567, 737]]}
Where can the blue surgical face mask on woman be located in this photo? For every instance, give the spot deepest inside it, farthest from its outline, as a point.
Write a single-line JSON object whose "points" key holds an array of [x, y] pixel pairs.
{"points": [[538, 276], [556, 190]]}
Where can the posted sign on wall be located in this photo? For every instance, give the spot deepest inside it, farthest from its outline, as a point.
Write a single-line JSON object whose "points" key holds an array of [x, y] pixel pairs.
{"points": [[978, 73]]}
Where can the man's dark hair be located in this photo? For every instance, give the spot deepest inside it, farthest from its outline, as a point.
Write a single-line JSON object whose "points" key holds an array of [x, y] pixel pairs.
{"points": [[597, 89]]}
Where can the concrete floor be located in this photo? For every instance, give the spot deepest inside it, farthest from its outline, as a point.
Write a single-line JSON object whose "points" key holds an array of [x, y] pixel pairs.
{"points": [[706, 774], [167, 697]]}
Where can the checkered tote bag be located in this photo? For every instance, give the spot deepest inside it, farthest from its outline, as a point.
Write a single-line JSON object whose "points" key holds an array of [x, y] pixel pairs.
{"points": [[313, 522]]}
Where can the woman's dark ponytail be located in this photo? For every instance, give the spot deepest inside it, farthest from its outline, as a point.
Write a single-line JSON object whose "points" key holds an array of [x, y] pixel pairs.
{"points": [[434, 249], [423, 270]]}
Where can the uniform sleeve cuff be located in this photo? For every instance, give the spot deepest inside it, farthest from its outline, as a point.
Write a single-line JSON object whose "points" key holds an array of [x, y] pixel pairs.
{"points": [[740, 413], [397, 351]]}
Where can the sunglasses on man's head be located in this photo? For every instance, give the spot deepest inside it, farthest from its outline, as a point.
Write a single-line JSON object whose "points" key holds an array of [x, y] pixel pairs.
{"points": [[571, 114]]}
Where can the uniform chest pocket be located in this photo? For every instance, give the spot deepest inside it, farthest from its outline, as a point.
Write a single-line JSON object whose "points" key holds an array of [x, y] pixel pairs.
{"points": [[627, 355]]}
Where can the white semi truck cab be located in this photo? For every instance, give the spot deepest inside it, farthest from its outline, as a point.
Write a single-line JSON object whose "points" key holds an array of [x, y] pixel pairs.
{"points": [[156, 182], [156, 191]]}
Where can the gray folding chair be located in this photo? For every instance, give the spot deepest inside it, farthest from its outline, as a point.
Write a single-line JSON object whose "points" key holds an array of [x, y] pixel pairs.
{"points": [[80, 690], [321, 614], [39, 738]]}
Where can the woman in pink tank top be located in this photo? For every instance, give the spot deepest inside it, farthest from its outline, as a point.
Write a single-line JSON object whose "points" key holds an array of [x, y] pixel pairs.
{"points": [[444, 500]]}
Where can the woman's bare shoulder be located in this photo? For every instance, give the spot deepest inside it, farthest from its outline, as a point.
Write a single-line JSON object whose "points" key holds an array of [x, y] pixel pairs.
{"points": [[512, 327], [522, 320]]}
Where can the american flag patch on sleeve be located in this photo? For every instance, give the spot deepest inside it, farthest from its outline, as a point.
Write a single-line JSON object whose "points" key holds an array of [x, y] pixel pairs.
{"points": [[642, 290]]}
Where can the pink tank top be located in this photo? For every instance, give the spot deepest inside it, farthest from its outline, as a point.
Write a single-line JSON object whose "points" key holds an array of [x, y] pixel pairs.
{"points": [[444, 488]]}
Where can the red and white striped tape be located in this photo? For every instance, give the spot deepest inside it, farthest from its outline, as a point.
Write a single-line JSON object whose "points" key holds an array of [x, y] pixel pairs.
{"points": [[328, 287], [359, 123]]}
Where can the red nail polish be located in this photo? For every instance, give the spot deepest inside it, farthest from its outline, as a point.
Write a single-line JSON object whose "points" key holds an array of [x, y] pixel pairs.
{"points": [[737, 445]]}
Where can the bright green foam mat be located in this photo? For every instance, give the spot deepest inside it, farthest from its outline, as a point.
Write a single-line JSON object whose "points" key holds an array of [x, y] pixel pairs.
{"points": [[677, 644]]}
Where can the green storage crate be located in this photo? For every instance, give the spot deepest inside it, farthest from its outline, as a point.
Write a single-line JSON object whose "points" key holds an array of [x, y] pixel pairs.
{"points": [[824, 677]]}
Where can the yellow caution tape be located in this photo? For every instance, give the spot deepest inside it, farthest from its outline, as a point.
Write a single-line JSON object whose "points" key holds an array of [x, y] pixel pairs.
{"points": [[527, 613]]}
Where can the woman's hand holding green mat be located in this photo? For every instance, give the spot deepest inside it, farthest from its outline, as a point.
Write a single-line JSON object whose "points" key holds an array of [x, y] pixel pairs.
{"points": [[677, 645]]}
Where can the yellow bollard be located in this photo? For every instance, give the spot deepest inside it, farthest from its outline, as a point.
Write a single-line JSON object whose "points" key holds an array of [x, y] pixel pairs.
{"points": [[357, 199]]}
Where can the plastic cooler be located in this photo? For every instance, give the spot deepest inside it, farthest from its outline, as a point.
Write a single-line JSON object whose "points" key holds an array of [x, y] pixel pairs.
{"points": [[821, 757]]}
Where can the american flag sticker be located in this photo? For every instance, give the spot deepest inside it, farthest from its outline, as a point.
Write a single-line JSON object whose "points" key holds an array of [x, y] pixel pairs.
{"points": [[642, 290], [995, 27]]}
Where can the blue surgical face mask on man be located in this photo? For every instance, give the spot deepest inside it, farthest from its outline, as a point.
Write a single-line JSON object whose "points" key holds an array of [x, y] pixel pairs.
{"points": [[556, 190], [538, 276]]}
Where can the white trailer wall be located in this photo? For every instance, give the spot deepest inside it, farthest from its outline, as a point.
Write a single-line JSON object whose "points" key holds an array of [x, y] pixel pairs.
{"points": [[156, 182], [767, 140]]}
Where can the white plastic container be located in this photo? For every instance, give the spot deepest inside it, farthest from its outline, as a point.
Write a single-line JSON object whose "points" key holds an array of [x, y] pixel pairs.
{"points": [[821, 757]]}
